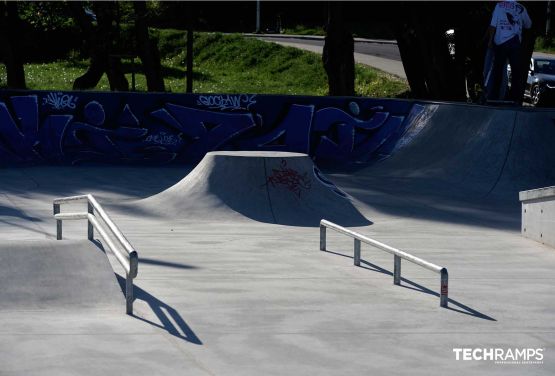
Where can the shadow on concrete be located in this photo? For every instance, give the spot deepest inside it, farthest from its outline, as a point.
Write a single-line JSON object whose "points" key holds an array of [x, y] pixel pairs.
{"points": [[171, 320], [6, 211], [168, 264], [129, 180], [417, 287], [464, 309], [434, 200]]}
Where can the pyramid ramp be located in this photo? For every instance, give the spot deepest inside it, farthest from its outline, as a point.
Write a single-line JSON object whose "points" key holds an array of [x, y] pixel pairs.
{"points": [[271, 187]]}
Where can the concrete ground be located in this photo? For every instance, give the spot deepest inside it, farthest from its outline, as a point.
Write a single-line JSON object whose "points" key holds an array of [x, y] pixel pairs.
{"points": [[242, 297]]}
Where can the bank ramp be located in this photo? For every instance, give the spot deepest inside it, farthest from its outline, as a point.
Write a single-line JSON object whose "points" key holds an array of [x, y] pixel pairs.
{"points": [[475, 151], [57, 275]]}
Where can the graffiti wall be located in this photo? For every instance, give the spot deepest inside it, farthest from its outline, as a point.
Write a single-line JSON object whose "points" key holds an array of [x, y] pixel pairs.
{"points": [[144, 128]]}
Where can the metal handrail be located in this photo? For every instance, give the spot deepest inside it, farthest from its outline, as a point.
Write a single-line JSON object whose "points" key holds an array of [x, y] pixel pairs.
{"points": [[126, 255], [398, 255]]}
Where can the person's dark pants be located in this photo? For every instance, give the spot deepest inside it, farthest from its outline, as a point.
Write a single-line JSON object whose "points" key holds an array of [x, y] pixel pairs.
{"points": [[509, 50]]}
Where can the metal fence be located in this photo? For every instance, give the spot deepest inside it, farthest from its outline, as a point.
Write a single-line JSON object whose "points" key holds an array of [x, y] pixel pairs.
{"points": [[397, 256], [117, 243]]}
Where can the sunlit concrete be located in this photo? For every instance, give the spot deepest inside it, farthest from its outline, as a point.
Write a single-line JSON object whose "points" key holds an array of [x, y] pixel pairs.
{"points": [[218, 296]]}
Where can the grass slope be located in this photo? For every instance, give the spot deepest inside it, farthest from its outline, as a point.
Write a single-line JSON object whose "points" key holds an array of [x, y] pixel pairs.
{"points": [[224, 64]]}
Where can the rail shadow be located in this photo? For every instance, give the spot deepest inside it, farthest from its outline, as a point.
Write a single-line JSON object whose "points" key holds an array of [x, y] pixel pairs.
{"points": [[462, 308], [168, 264], [171, 320]]}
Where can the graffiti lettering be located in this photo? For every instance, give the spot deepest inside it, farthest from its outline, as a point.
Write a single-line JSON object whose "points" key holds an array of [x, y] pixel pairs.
{"points": [[290, 179], [147, 128], [227, 102], [60, 101], [163, 138]]}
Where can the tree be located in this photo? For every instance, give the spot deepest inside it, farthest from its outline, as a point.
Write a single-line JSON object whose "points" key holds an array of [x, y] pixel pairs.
{"points": [[338, 54], [10, 30], [147, 49], [100, 39]]}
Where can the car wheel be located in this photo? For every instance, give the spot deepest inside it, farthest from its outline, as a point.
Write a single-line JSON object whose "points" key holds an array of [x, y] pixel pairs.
{"points": [[535, 95]]}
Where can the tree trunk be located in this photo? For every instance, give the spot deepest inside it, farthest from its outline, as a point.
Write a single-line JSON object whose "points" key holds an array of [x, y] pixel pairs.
{"points": [[406, 42], [431, 72], [10, 30], [189, 88], [338, 54], [536, 10], [147, 50], [99, 41]]}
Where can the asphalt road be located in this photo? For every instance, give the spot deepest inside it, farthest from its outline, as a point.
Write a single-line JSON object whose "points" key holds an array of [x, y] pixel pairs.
{"points": [[383, 56], [386, 51]]}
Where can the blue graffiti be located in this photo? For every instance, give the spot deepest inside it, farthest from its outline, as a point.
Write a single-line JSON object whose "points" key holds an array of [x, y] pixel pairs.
{"points": [[146, 128]]}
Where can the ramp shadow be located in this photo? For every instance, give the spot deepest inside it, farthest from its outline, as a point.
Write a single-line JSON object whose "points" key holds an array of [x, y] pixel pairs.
{"points": [[171, 320], [462, 308]]}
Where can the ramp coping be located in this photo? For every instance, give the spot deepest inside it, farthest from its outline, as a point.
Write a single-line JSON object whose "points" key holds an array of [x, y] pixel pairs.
{"points": [[398, 255], [126, 255]]}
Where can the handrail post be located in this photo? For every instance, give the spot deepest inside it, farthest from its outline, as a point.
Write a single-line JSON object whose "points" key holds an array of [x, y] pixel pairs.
{"points": [[90, 227], [322, 237], [357, 252], [444, 290], [396, 270], [58, 222], [129, 295]]}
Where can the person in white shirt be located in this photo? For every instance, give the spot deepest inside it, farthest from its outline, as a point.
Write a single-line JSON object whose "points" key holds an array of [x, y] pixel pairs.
{"points": [[505, 37]]}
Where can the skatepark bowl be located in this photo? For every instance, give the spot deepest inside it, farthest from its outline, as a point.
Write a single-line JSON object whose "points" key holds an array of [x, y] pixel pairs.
{"points": [[232, 277]]}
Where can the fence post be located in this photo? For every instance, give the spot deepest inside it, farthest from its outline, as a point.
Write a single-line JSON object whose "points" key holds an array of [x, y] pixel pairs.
{"points": [[444, 292], [396, 270], [90, 227], [322, 237], [58, 222], [357, 252]]}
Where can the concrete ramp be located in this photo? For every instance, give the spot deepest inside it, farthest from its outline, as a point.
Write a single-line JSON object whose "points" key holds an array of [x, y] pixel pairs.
{"points": [[57, 275], [271, 187], [475, 151]]}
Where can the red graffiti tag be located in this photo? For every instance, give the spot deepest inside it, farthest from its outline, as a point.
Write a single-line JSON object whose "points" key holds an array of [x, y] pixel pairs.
{"points": [[289, 178]]}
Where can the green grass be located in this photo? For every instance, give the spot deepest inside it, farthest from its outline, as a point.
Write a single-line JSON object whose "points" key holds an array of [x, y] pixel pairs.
{"points": [[224, 64], [304, 30], [545, 45]]}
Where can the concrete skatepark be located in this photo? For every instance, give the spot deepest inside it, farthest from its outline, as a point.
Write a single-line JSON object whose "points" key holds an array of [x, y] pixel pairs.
{"points": [[231, 279]]}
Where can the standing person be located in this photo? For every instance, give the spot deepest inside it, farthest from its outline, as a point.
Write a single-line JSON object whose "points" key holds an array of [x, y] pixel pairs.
{"points": [[505, 37]]}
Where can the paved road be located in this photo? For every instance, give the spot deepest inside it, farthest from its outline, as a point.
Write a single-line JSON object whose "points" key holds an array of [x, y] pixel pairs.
{"points": [[387, 51], [382, 56]]}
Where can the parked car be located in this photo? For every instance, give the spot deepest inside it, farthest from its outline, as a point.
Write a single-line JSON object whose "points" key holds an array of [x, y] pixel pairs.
{"points": [[540, 83]]}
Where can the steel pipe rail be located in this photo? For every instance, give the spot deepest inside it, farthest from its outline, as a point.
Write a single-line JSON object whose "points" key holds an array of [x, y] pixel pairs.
{"points": [[126, 255], [398, 255]]}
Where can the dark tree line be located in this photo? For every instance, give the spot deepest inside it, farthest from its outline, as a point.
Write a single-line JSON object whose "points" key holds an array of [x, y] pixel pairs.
{"points": [[100, 31], [436, 67]]}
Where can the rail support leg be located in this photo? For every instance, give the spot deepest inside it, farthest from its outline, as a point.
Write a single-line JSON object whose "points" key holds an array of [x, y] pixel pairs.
{"points": [[396, 270], [357, 252], [90, 228], [444, 292], [58, 222], [129, 295], [322, 238]]}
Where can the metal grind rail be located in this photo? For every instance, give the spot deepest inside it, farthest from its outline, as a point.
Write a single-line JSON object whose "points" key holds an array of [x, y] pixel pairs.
{"points": [[397, 256], [121, 248]]}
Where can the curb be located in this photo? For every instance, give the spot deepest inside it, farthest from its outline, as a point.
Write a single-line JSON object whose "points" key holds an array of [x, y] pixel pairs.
{"points": [[316, 37]]}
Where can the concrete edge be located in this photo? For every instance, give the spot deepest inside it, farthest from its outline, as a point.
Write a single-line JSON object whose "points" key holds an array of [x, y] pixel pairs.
{"points": [[537, 194]]}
